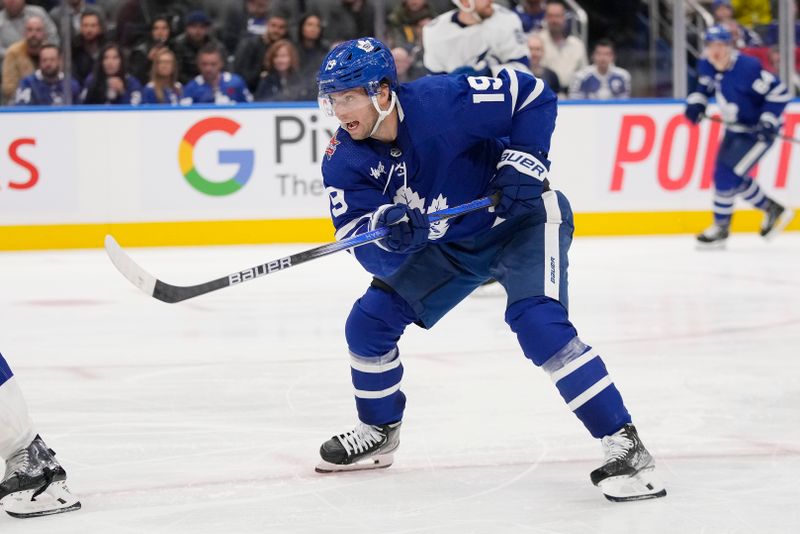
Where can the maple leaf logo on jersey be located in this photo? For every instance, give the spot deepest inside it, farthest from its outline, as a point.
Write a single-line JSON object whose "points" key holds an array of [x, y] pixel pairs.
{"points": [[332, 147], [408, 196], [438, 228]]}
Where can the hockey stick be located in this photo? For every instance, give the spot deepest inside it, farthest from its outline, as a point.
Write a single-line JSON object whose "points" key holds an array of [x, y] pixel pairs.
{"points": [[726, 123], [169, 293]]}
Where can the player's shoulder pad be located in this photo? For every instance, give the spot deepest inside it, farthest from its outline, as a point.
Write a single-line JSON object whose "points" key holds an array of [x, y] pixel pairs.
{"points": [[340, 161]]}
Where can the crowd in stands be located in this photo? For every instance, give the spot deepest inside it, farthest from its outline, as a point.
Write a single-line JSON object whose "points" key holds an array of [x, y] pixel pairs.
{"points": [[181, 52]]}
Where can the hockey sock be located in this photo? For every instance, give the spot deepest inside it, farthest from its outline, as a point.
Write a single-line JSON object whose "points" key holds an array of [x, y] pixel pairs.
{"points": [[753, 194], [583, 382], [16, 428], [723, 207], [373, 329], [549, 340]]}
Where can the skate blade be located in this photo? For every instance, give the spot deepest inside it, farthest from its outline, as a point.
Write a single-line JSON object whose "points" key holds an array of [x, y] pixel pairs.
{"points": [[381, 461], [716, 245], [782, 222], [56, 499], [643, 485]]}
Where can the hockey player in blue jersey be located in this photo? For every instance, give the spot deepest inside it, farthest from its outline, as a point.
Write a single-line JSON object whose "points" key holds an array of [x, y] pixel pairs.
{"points": [[34, 483], [406, 150], [751, 101]]}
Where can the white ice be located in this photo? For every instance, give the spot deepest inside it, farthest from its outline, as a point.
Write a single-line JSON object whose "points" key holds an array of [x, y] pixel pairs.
{"points": [[207, 415]]}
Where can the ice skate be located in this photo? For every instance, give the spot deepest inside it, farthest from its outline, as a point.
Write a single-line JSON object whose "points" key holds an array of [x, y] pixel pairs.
{"points": [[364, 447], [35, 484], [628, 473], [776, 217], [713, 237]]}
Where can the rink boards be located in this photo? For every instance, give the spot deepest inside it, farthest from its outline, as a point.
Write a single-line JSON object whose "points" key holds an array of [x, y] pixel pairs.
{"points": [[213, 175]]}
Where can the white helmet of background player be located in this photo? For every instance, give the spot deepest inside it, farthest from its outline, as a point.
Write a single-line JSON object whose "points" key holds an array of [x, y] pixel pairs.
{"points": [[361, 63]]}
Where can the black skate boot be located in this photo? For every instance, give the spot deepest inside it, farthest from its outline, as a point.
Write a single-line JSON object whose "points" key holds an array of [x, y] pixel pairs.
{"points": [[364, 447], [628, 473], [713, 237], [776, 217], [35, 484]]}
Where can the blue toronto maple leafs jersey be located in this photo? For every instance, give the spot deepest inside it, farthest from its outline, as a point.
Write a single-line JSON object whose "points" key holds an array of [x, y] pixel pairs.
{"points": [[35, 90], [744, 91], [451, 134], [231, 89]]}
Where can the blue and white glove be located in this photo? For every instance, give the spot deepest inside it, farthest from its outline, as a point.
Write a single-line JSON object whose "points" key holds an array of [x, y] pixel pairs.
{"points": [[408, 228], [767, 128], [520, 180], [695, 112]]}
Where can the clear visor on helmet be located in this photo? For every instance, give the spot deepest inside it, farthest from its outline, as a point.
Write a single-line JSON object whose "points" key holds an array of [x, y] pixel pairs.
{"points": [[345, 102]]}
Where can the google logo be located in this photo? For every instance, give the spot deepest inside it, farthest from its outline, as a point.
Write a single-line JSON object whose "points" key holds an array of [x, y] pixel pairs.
{"points": [[243, 158]]}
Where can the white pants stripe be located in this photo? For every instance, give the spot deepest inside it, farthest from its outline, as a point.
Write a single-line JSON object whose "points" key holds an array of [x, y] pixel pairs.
{"points": [[573, 366], [750, 158], [363, 394], [552, 252]]}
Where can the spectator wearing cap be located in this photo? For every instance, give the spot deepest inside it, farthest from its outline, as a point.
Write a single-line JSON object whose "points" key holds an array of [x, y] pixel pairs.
{"points": [[196, 36], [22, 57], [12, 24], [214, 85], [46, 86], [564, 54], [602, 80], [742, 37], [249, 57], [536, 53], [87, 45]]}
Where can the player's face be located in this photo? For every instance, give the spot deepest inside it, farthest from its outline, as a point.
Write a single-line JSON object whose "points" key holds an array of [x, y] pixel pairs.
{"points": [[484, 8], [354, 110], [719, 54]]}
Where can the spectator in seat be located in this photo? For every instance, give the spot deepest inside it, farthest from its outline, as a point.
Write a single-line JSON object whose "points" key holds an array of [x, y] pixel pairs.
{"points": [[345, 19], [74, 9], [742, 37], [563, 54], [405, 23], [311, 47], [135, 17], [602, 80], [163, 87], [142, 56], [110, 82], [249, 57], [214, 85], [22, 57], [187, 45], [407, 71], [12, 24], [531, 13], [281, 80], [536, 48], [46, 86], [87, 45]]}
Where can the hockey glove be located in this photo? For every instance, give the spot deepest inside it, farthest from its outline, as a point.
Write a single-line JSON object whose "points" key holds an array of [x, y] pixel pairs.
{"points": [[694, 112], [767, 129], [520, 180], [408, 228]]}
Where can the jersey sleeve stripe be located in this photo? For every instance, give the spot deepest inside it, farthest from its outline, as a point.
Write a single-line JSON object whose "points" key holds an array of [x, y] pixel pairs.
{"points": [[537, 90], [779, 93], [348, 229], [513, 88]]}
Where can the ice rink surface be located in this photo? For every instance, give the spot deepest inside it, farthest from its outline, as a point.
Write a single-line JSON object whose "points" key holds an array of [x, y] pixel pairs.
{"points": [[206, 416]]}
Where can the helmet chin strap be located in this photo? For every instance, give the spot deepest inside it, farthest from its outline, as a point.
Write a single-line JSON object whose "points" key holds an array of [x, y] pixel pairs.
{"points": [[382, 114], [469, 9]]}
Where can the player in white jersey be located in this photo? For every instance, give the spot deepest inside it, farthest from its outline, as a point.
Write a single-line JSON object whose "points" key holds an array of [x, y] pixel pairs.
{"points": [[479, 37], [34, 484]]}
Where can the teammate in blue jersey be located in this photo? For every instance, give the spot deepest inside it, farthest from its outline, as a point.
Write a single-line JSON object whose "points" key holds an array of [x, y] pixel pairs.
{"points": [[46, 86], [213, 85], [31, 468], [406, 150], [751, 101]]}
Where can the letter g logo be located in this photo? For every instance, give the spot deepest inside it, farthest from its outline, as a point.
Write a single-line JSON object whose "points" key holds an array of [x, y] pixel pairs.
{"points": [[243, 158]]}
